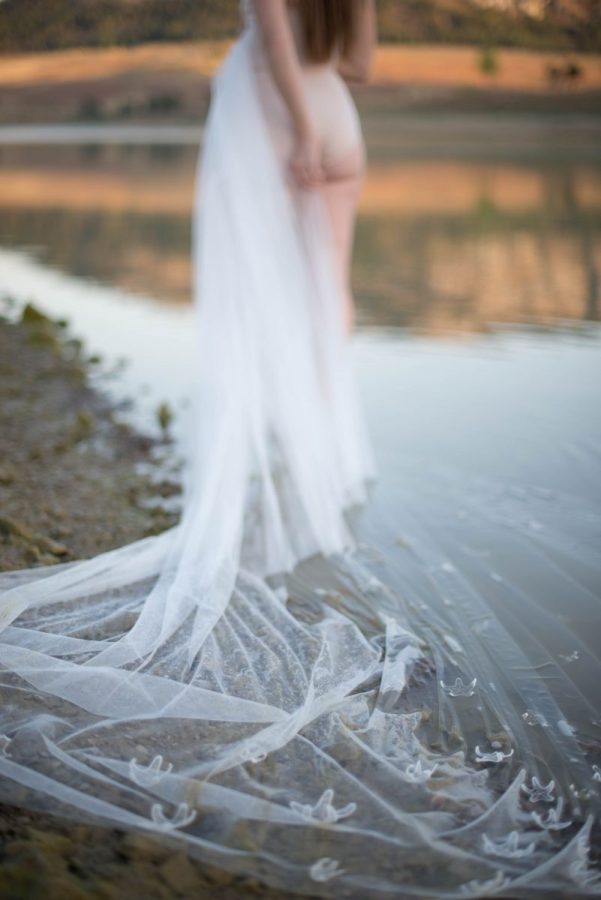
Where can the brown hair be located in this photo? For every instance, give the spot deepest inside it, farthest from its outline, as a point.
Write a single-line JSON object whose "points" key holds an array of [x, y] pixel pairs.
{"points": [[327, 25]]}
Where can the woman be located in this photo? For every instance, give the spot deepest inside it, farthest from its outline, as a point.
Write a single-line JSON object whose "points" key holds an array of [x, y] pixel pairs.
{"points": [[213, 682]]}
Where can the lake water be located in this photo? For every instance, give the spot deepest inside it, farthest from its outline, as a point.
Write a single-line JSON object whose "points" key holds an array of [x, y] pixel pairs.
{"points": [[478, 348]]}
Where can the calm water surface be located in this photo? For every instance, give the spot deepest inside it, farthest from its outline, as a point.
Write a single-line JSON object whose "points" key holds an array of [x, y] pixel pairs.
{"points": [[478, 349]]}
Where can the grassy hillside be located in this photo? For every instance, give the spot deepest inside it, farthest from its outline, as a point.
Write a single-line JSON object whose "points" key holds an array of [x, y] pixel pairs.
{"points": [[56, 24]]}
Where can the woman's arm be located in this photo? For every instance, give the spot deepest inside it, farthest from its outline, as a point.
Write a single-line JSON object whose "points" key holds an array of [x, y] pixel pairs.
{"points": [[284, 63], [355, 65]]}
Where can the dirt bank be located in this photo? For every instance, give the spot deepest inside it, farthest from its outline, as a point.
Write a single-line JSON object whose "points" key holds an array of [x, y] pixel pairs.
{"points": [[70, 482]]}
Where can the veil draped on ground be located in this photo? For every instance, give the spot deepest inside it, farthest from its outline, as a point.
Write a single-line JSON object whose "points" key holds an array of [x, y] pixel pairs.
{"points": [[257, 684]]}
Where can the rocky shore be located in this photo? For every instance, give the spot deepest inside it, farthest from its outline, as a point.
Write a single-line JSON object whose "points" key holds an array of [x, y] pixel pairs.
{"points": [[75, 479], [71, 482]]}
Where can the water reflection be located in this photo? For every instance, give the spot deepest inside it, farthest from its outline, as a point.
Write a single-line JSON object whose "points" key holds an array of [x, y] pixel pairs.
{"points": [[488, 445], [441, 245]]}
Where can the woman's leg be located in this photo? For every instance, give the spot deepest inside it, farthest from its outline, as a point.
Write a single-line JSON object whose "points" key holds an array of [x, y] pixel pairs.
{"points": [[340, 192], [337, 122]]}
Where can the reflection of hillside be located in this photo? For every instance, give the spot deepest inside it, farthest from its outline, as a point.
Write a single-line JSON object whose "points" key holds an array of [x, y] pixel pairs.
{"points": [[118, 214], [440, 245], [464, 246], [140, 253], [434, 188], [99, 189], [444, 275], [401, 189]]}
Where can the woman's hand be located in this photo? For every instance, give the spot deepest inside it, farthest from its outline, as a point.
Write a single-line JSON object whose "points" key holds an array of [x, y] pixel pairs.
{"points": [[305, 162]]}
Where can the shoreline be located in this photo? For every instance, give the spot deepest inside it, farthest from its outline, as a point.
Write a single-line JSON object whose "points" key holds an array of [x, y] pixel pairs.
{"points": [[75, 480], [392, 134]]}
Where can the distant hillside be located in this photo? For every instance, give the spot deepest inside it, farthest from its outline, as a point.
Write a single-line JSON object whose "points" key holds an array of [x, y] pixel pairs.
{"points": [[56, 24], [540, 24]]}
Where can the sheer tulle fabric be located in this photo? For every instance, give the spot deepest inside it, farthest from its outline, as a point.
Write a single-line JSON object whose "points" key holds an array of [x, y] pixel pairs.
{"points": [[254, 683]]}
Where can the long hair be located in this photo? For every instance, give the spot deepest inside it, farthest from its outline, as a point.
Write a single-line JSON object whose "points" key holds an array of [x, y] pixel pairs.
{"points": [[328, 25]]}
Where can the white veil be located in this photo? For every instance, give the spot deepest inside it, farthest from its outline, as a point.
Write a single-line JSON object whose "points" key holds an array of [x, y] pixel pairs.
{"points": [[245, 682]]}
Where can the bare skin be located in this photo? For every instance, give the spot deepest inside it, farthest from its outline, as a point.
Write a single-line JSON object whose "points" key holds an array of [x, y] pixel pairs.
{"points": [[286, 68], [338, 179]]}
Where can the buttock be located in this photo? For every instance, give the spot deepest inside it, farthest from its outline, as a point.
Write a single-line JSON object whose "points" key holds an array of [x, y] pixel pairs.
{"points": [[333, 111], [333, 114]]}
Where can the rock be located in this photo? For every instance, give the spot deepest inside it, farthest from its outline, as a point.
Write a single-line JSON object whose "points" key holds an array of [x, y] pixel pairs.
{"points": [[179, 874], [164, 417], [47, 545], [138, 846], [80, 429], [18, 880], [40, 544], [7, 474], [252, 886], [218, 877], [25, 854], [56, 843], [31, 315], [10, 527], [65, 888], [32, 555]]}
